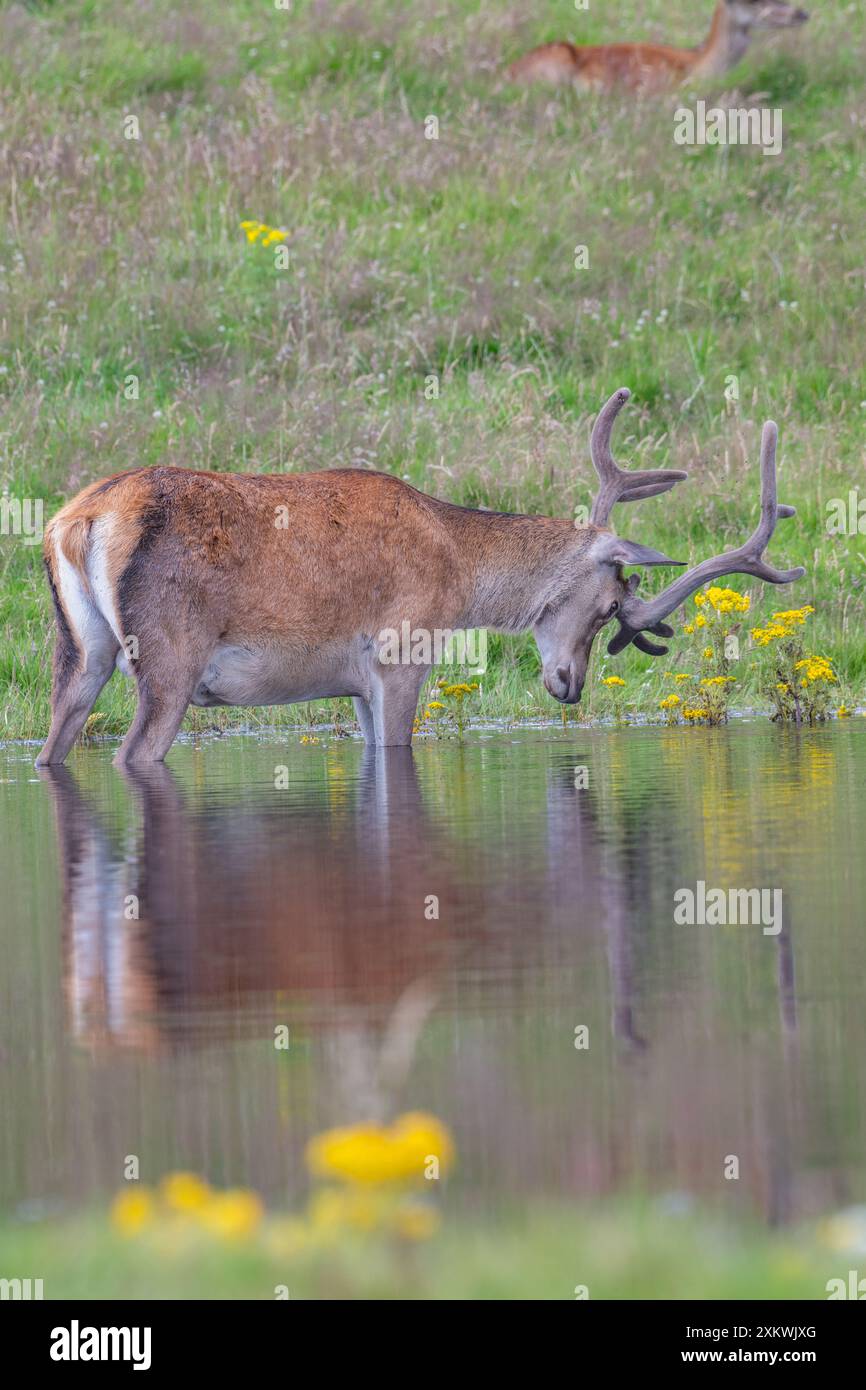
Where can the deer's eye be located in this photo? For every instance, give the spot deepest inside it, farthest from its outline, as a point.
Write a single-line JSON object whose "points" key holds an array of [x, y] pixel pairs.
{"points": [[614, 608]]}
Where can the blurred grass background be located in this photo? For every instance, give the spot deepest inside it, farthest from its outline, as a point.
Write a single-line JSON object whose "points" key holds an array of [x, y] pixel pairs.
{"points": [[623, 1250], [411, 257]]}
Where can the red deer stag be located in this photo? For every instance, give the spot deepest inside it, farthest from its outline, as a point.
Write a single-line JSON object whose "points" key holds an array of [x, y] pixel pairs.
{"points": [[237, 589], [656, 67]]}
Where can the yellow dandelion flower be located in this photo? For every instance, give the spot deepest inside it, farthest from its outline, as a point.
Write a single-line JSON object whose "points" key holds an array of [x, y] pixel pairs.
{"points": [[707, 653], [612, 680]]}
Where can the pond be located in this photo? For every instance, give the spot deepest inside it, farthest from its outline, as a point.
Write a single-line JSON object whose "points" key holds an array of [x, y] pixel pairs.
{"points": [[204, 964]]}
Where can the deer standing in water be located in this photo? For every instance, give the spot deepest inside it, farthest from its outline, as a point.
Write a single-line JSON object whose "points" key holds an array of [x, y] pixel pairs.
{"points": [[244, 589], [655, 67]]}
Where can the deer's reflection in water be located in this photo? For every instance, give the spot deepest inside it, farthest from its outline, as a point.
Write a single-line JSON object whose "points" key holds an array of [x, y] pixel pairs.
{"points": [[420, 957], [345, 904]]}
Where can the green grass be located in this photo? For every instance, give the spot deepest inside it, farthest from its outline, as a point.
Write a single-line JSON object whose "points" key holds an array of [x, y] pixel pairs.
{"points": [[614, 1250], [410, 257]]}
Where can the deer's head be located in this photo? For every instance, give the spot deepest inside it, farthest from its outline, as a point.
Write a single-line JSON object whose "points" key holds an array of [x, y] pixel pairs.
{"points": [[598, 590], [764, 14]]}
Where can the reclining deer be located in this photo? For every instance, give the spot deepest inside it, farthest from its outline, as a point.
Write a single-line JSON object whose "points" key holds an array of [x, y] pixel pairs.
{"points": [[656, 67], [239, 589]]}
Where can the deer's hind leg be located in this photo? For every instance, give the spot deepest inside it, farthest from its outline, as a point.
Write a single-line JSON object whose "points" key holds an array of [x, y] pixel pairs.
{"points": [[166, 673], [85, 649]]}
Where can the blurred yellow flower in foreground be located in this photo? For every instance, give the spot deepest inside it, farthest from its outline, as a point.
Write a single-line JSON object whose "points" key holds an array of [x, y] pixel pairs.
{"points": [[374, 1154], [132, 1211], [184, 1192], [375, 1166], [186, 1203], [416, 1221], [233, 1214]]}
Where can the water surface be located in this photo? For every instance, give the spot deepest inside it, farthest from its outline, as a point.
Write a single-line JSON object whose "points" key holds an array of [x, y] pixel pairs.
{"points": [[432, 930]]}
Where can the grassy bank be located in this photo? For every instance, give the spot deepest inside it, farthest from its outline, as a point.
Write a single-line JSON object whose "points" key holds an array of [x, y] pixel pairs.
{"points": [[637, 1250], [140, 326]]}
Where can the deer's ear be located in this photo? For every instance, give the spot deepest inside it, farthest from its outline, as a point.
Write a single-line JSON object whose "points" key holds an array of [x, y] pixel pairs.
{"points": [[614, 550]]}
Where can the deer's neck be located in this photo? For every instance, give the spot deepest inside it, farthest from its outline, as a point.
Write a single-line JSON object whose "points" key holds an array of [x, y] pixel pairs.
{"points": [[517, 565], [724, 46]]}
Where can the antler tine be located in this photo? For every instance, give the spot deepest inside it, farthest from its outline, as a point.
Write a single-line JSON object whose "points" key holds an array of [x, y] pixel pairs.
{"points": [[617, 484], [637, 617]]}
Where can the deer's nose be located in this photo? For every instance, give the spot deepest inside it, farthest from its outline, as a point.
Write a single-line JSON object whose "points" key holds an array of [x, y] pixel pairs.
{"points": [[564, 685]]}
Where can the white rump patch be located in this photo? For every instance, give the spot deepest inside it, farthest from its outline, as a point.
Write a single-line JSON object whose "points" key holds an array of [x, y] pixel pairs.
{"points": [[93, 627]]}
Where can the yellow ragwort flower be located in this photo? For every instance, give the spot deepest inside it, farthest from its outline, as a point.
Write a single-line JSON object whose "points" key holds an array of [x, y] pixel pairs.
{"points": [[254, 230], [416, 1220], [184, 1192], [793, 615], [232, 1214], [132, 1211], [373, 1154], [728, 600]]}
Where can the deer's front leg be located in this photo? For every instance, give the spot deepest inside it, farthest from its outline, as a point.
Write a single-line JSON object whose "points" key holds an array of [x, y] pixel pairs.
{"points": [[394, 703], [364, 716]]}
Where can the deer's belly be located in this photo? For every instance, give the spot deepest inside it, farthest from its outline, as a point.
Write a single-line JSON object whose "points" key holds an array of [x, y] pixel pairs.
{"points": [[247, 676]]}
